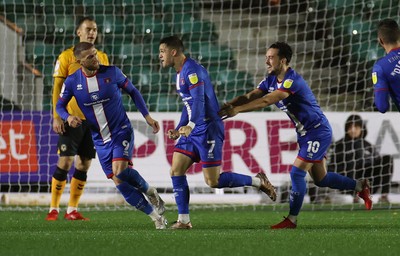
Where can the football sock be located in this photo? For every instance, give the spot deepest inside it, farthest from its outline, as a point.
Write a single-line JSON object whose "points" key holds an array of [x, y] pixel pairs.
{"points": [[232, 180], [154, 215], [58, 183], [255, 182], [135, 198], [181, 193], [133, 177], [77, 185], [299, 188], [337, 181], [184, 218]]}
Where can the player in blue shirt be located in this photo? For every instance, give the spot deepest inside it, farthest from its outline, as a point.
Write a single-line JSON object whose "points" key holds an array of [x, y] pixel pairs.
{"points": [[200, 132], [386, 71], [97, 90], [290, 92]]}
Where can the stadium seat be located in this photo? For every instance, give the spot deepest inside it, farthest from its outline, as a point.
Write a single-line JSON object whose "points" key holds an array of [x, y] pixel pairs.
{"points": [[97, 8], [110, 24], [197, 30], [232, 83], [34, 27], [152, 81], [40, 53], [208, 54], [177, 6], [52, 7], [64, 24], [367, 52], [17, 6], [163, 102], [134, 54], [148, 29], [382, 9], [137, 6], [214, 70], [350, 29]]}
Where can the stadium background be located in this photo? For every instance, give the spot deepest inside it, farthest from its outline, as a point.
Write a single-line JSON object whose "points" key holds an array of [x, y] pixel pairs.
{"points": [[334, 43]]}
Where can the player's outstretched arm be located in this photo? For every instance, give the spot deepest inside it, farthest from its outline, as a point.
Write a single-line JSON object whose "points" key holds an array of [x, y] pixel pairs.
{"points": [[226, 109]]}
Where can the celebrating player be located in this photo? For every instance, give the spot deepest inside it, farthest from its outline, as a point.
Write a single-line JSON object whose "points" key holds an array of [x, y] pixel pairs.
{"points": [[96, 89], [200, 132], [72, 141], [386, 71], [290, 92]]}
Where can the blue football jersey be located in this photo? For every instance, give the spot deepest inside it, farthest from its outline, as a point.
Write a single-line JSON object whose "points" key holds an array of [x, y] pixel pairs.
{"points": [[301, 106], [386, 80], [194, 86], [99, 98]]}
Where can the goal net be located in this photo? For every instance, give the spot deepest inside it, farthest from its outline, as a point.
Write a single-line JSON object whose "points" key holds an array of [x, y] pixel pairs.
{"points": [[334, 44]]}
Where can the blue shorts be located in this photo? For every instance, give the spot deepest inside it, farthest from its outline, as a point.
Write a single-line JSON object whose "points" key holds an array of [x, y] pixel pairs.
{"points": [[315, 144], [204, 144], [119, 148]]}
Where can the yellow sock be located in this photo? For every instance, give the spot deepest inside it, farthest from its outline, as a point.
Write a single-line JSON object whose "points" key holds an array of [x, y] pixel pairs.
{"points": [[76, 191], [57, 188]]}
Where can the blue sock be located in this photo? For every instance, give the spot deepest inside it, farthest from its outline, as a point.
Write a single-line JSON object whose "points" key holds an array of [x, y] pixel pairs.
{"points": [[181, 193], [135, 198], [337, 181], [133, 177], [299, 188], [232, 180]]}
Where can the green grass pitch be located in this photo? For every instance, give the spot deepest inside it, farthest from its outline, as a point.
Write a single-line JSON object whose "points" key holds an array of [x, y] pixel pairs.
{"points": [[222, 231]]}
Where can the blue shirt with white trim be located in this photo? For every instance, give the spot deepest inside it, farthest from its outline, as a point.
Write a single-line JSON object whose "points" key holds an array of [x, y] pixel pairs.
{"points": [[194, 86], [386, 80], [99, 98], [301, 105]]}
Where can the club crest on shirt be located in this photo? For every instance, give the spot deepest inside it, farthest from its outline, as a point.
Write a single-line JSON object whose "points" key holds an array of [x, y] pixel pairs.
{"points": [[193, 78], [374, 78], [94, 96], [288, 83], [107, 80]]}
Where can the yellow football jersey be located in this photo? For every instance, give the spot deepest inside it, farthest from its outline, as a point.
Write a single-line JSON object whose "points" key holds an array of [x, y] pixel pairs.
{"points": [[66, 65]]}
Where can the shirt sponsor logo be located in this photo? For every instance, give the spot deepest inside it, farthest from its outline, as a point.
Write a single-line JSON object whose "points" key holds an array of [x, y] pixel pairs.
{"points": [[193, 78], [79, 87]]}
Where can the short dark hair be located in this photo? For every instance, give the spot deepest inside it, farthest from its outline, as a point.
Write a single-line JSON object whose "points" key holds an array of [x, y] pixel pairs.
{"points": [[284, 50], [80, 47], [173, 42], [356, 120], [82, 20], [389, 31]]}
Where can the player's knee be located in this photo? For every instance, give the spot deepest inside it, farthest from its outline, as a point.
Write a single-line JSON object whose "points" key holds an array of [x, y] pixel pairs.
{"points": [[83, 163], [65, 162]]}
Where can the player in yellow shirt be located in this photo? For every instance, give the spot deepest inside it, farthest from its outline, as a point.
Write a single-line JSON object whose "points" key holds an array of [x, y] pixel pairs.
{"points": [[74, 144]]}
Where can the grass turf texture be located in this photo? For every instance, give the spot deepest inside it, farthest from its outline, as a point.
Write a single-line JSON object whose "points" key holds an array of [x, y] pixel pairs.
{"points": [[220, 231]]}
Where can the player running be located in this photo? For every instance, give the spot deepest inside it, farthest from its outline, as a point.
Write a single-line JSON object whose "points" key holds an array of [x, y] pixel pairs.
{"points": [[97, 90], [290, 92], [200, 132]]}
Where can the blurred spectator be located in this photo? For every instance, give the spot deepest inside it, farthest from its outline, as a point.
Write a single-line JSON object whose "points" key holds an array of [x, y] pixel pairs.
{"points": [[6, 105], [357, 158]]}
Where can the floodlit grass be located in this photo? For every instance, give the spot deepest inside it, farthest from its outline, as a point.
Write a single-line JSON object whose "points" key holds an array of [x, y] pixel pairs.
{"points": [[221, 231]]}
